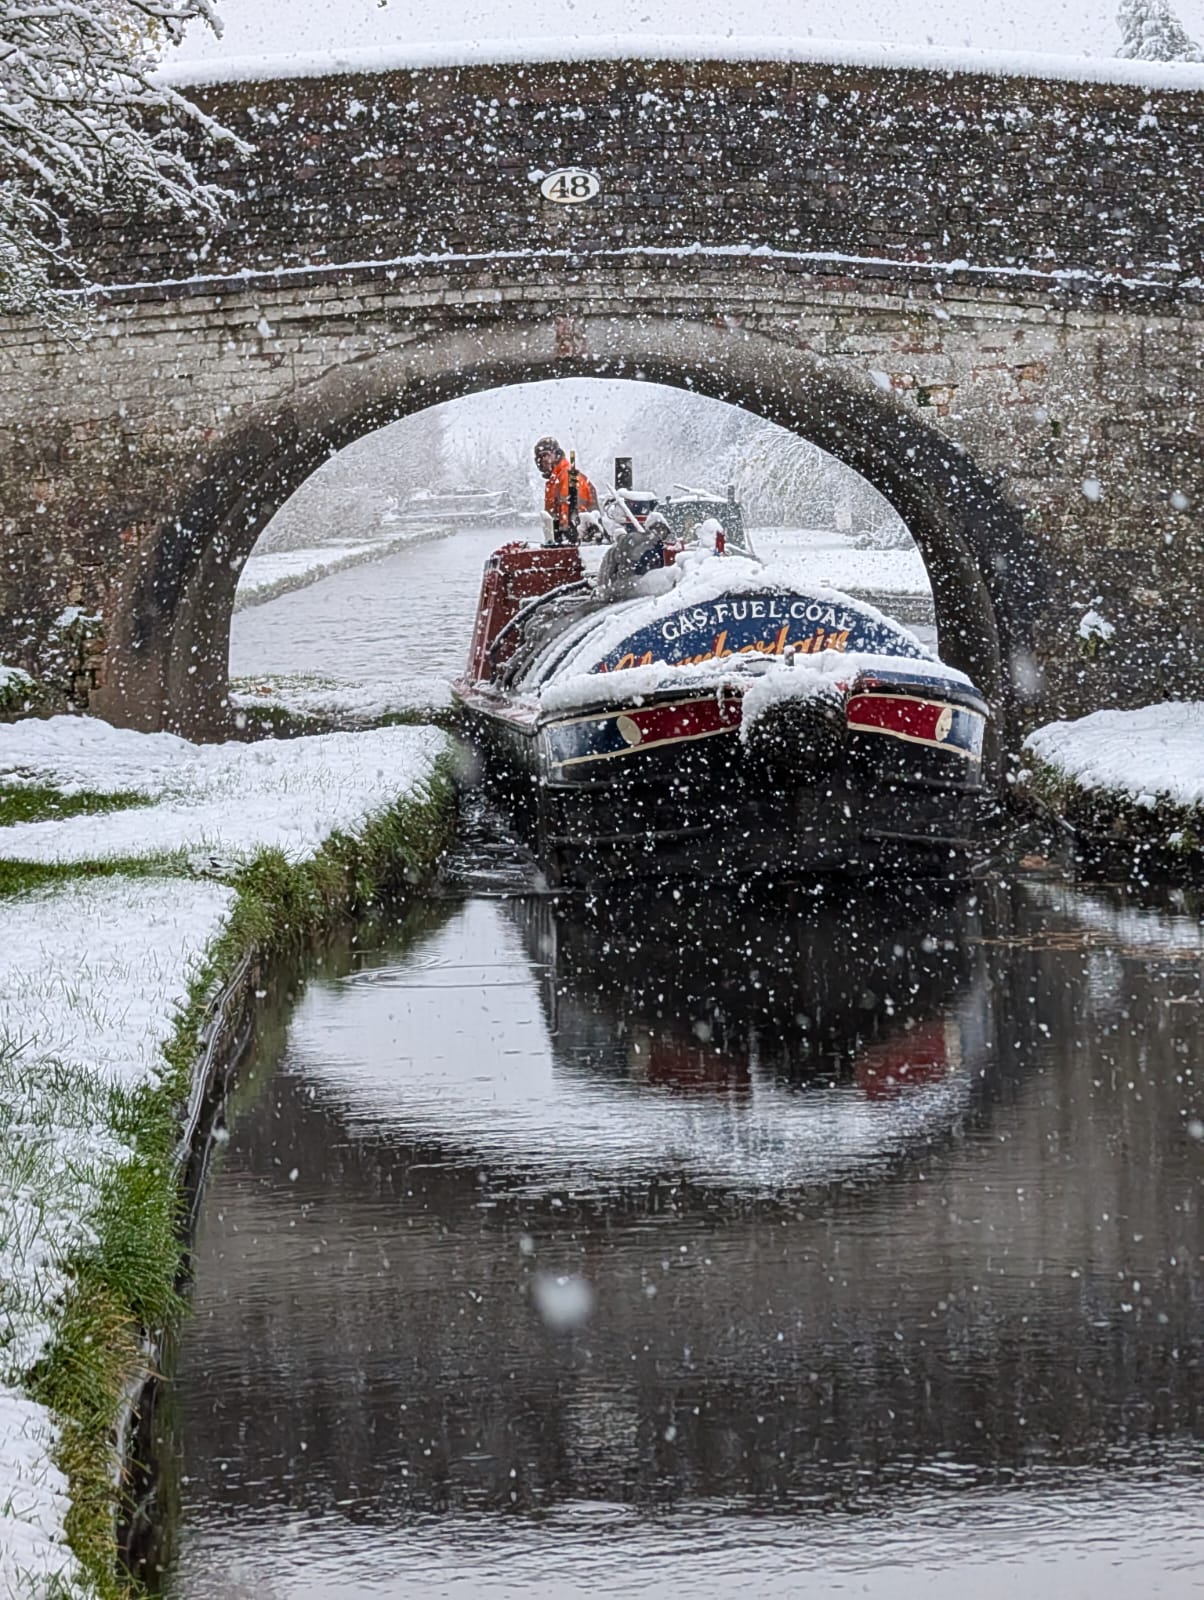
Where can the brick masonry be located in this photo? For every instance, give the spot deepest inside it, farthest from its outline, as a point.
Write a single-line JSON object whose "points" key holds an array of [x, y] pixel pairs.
{"points": [[983, 293]]}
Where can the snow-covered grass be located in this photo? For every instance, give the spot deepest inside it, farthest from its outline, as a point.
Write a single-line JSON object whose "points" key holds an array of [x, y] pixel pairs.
{"points": [[1153, 755], [92, 979], [29, 802], [91, 970], [104, 986], [34, 1557], [839, 562], [224, 801], [1133, 780], [311, 701]]}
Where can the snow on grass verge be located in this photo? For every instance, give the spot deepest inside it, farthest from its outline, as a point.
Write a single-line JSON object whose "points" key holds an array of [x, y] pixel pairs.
{"points": [[92, 976], [838, 562], [309, 702], [106, 984], [217, 802], [34, 1557], [1129, 779]]}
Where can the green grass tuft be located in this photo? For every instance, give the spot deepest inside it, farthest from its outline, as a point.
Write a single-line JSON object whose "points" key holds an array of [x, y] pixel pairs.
{"points": [[41, 802], [18, 877]]}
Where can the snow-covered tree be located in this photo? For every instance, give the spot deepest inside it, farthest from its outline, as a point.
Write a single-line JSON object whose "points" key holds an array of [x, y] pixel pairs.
{"points": [[84, 126], [1152, 32], [779, 478]]}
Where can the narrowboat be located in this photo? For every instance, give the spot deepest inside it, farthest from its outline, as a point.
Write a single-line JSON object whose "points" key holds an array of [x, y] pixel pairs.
{"points": [[668, 703]]}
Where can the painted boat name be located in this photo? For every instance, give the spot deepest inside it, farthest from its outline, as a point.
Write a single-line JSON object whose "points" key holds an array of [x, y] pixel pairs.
{"points": [[771, 610]]}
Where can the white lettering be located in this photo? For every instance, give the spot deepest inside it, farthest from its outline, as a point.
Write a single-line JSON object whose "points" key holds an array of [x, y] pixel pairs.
{"points": [[713, 617]]}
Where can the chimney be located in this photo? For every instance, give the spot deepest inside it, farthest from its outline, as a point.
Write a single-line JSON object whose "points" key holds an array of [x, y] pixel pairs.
{"points": [[623, 478]]}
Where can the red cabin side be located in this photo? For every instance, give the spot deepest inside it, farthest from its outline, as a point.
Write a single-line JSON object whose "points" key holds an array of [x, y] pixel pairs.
{"points": [[513, 575]]}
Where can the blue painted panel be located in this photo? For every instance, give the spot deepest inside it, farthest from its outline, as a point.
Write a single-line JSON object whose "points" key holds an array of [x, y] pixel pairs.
{"points": [[761, 624]]}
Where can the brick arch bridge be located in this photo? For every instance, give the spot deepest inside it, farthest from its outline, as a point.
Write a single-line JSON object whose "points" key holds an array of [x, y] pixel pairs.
{"points": [[983, 293]]}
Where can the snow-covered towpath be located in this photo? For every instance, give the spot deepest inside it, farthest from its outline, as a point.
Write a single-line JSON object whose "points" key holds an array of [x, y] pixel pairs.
{"points": [[94, 978]]}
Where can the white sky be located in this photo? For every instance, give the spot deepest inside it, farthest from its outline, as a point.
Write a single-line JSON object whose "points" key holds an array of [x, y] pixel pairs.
{"points": [[1057, 27]]}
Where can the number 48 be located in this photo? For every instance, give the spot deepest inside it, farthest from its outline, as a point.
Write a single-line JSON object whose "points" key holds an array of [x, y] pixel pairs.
{"points": [[575, 188], [570, 186]]}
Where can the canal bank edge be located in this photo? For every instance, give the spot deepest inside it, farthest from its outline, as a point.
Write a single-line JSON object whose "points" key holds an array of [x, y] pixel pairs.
{"points": [[256, 591], [125, 1287], [1128, 786]]}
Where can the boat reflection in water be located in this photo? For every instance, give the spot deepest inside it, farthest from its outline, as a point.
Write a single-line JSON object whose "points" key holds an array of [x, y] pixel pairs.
{"points": [[873, 1221], [713, 1040], [808, 1013]]}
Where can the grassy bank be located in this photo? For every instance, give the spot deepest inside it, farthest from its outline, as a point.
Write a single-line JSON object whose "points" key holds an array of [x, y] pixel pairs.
{"points": [[121, 1275], [265, 718], [1114, 831]]}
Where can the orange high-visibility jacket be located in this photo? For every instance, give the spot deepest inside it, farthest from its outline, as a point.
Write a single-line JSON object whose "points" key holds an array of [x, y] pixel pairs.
{"points": [[556, 493]]}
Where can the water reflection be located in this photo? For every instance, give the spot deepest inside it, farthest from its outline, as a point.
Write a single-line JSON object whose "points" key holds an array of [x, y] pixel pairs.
{"points": [[886, 1208], [738, 1046]]}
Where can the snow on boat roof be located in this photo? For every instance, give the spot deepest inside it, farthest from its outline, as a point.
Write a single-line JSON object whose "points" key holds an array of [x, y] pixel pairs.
{"points": [[696, 580], [1187, 76], [568, 662]]}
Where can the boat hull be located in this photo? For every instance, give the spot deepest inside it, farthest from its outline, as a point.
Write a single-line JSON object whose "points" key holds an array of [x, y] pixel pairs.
{"points": [[678, 787]]}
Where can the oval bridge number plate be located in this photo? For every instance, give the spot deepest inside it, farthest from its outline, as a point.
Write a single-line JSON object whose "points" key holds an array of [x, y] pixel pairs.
{"points": [[570, 186]]}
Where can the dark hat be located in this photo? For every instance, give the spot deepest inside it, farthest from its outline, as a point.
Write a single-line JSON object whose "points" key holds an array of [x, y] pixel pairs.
{"points": [[547, 443]]}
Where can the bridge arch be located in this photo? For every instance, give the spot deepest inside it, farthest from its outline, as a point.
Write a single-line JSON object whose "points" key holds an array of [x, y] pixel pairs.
{"points": [[778, 233], [170, 640]]}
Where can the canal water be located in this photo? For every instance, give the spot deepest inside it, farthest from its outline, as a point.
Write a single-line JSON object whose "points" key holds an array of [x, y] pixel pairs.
{"points": [[397, 628], [708, 1244]]}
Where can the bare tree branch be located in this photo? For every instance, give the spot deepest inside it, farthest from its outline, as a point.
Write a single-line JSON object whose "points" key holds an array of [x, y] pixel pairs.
{"points": [[84, 125]]}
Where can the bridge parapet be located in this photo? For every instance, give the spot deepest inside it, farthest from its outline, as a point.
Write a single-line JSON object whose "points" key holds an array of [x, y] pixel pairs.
{"points": [[872, 168]]}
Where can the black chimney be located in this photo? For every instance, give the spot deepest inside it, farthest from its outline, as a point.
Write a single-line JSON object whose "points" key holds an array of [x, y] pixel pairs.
{"points": [[623, 478]]}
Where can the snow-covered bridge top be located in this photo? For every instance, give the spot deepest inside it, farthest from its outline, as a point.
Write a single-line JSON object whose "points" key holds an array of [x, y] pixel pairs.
{"points": [[879, 160], [640, 47]]}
